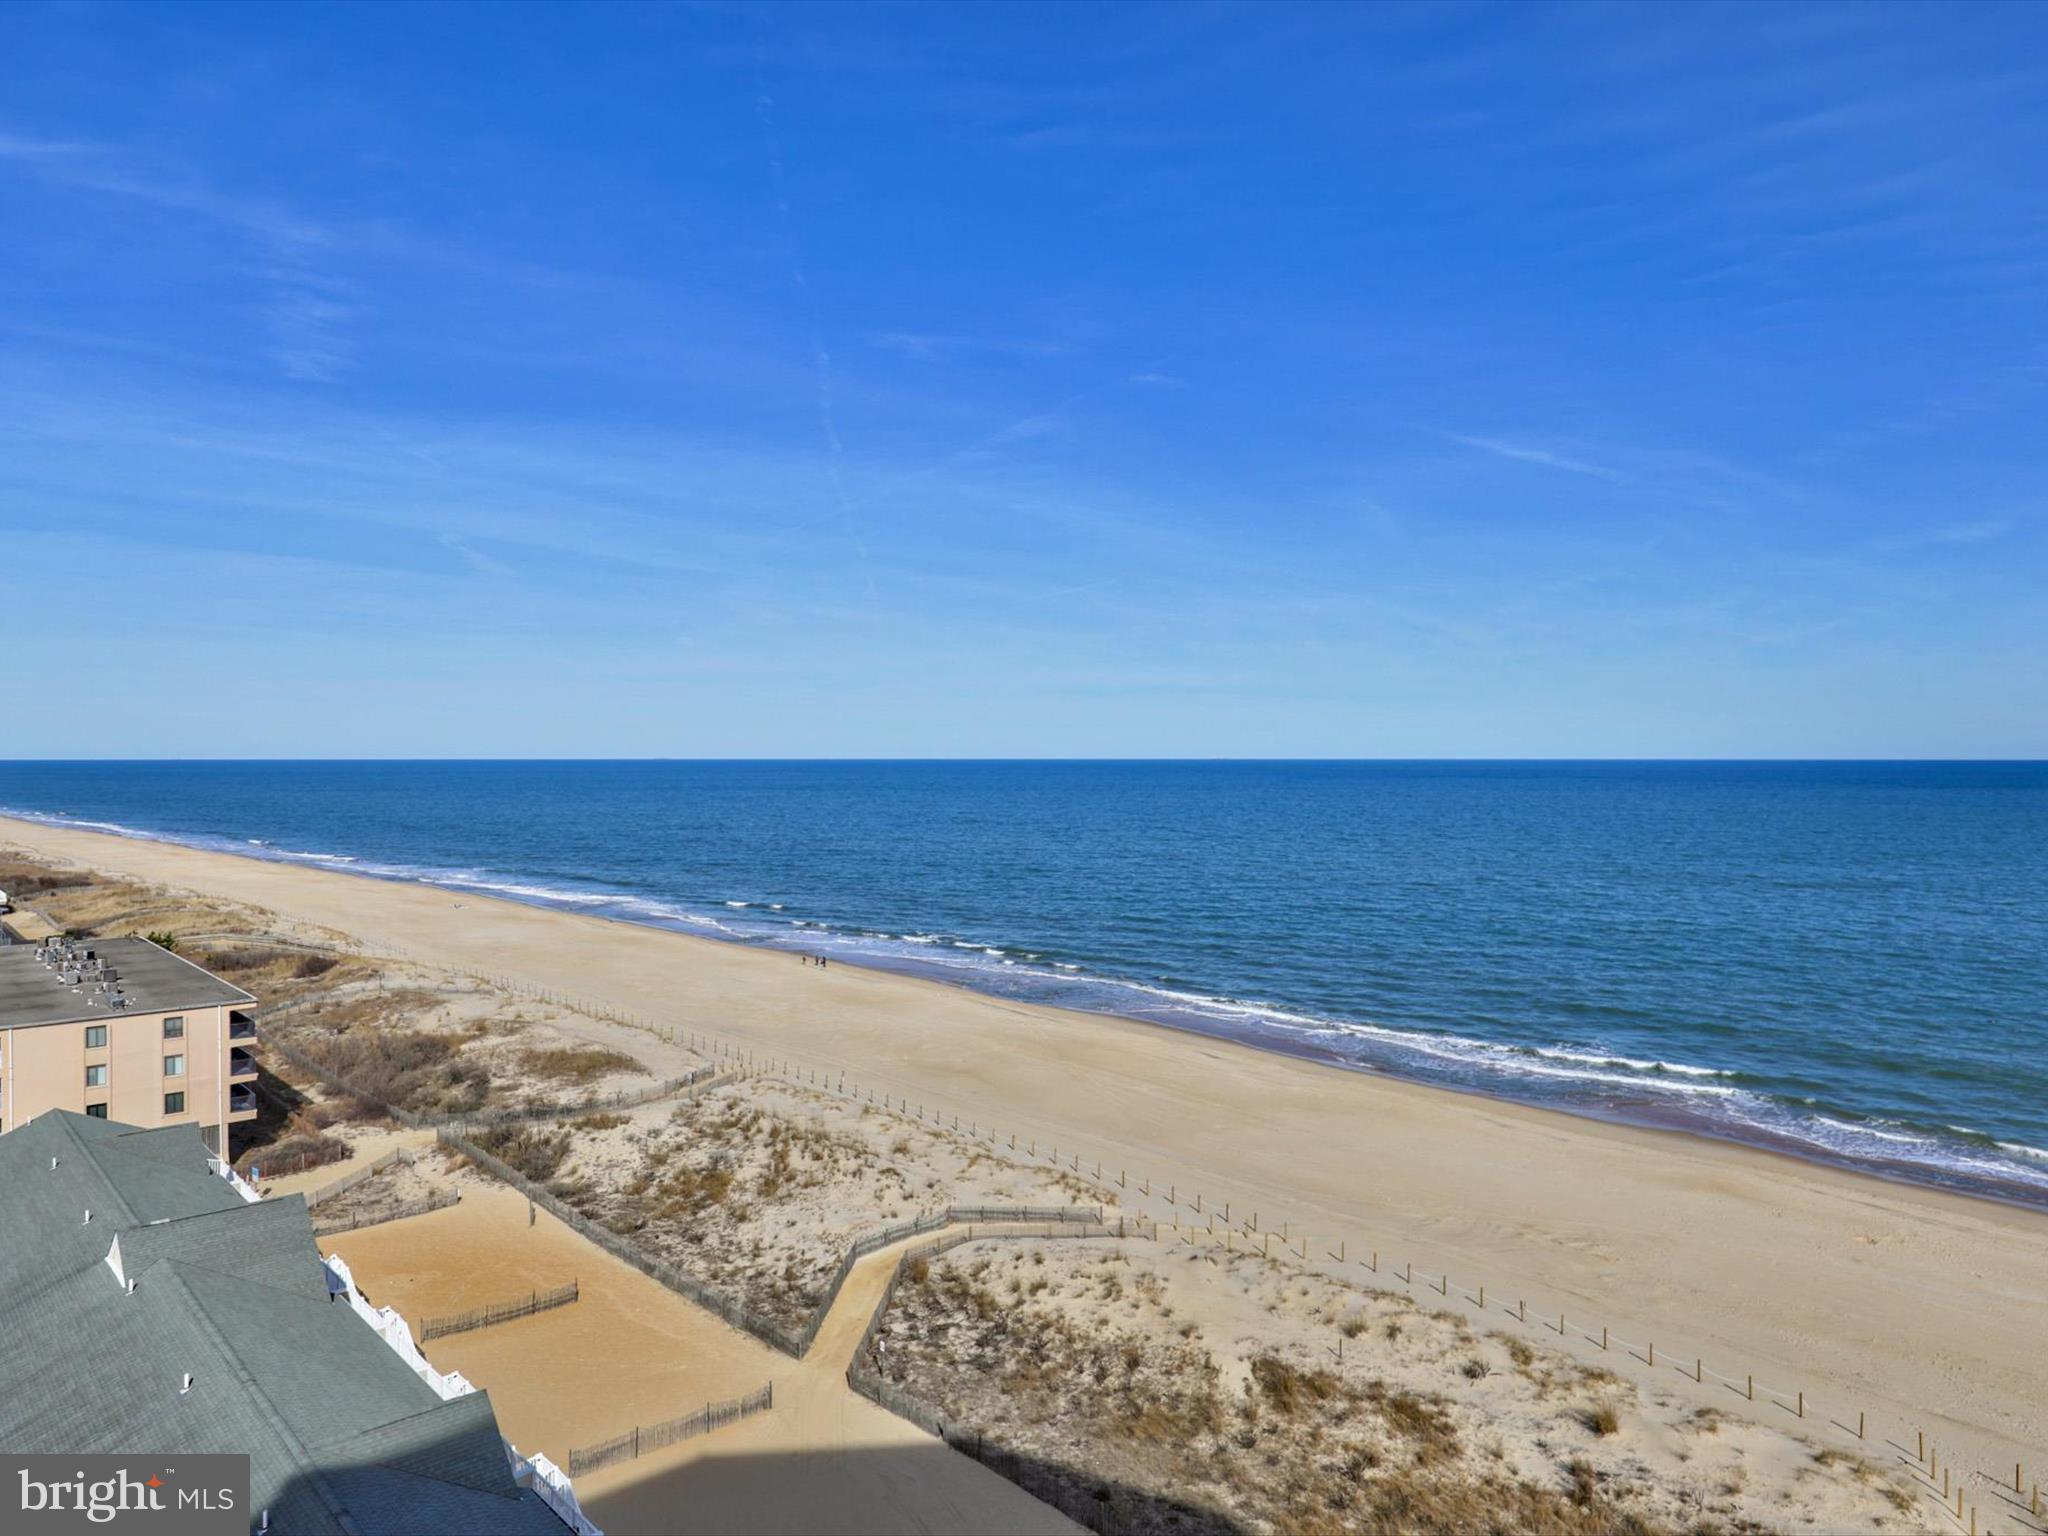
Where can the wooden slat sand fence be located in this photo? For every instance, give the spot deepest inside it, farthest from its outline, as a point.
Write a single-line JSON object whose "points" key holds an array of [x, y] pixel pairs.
{"points": [[643, 1439], [269, 1040], [496, 1312], [434, 1202], [732, 1309], [349, 1181], [1094, 1509]]}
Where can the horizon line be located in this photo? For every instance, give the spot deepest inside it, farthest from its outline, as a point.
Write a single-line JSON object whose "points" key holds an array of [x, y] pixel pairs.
{"points": [[1219, 759]]}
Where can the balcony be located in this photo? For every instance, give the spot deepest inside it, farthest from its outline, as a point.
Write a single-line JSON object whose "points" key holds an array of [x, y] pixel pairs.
{"points": [[241, 1064], [241, 1026], [241, 1103]]}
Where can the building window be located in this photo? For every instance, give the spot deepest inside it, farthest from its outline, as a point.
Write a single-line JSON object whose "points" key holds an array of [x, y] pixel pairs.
{"points": [[97, 1111], [174, 1066], [174, 1103], [96, 1077], [95, 1037], [174, 1029]]}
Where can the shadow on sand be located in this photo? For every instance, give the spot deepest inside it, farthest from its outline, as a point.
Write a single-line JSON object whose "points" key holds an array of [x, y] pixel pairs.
{"points": [[880, 1491]]}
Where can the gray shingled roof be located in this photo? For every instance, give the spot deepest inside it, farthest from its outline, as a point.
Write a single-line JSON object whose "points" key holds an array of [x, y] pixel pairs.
{"points": [[152, 979], [342, 1436]]}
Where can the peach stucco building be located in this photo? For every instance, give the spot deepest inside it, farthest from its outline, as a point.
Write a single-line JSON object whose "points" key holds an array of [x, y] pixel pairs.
{"points": [[123, 1030]]}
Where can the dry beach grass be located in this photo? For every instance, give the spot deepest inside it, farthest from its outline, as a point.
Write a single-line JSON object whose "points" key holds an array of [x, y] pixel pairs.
{"points": [[1901, 1299]]}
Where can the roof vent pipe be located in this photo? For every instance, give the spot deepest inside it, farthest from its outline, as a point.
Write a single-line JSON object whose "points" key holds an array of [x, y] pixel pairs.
{"points": [[131, 1285], [187, 1387], [88, 1217]]}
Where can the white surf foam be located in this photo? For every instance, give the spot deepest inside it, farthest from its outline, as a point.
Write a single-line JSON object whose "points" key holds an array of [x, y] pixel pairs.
{"points": [[1478, 1062]]}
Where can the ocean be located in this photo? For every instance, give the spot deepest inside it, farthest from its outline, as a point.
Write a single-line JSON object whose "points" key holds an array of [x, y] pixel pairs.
{"points": [[1846, 961]]}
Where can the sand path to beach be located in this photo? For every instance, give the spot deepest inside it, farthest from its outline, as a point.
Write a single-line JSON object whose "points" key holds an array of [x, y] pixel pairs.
{"points": [[1924, 1310], [630, 1352]]}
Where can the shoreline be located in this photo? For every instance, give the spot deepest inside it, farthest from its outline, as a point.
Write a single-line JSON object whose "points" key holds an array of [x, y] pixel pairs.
{"points": [[2006, 1186], [1872, 1291]]}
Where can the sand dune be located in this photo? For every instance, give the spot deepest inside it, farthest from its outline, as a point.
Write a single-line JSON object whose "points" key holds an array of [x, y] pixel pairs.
{"points": [[1920, 1310]]}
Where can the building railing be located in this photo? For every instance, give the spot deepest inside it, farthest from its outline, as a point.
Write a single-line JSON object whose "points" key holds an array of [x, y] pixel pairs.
{"points": [[240, 1064], [241, 1026], [236, 1182], [240, 1099], [535, 1472]]}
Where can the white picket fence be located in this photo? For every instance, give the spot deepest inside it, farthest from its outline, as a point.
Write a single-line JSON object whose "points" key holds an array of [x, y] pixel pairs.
{"points": [[236, 1182], [535, 1472]]}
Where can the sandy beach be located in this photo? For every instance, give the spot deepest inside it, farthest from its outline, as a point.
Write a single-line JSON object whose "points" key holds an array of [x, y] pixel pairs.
{"points": [[1921, 1310]]}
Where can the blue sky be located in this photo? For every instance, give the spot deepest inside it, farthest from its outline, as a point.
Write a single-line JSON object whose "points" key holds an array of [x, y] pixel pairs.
{"points": [[989, 381]]}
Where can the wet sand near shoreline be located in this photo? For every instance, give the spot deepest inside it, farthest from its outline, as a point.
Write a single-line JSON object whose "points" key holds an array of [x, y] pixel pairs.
{"points": [[1921, 1308]]}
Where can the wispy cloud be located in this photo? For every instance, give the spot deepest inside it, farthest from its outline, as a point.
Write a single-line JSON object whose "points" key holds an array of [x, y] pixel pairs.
{"points": [[1548, 456], [308, 307], [123, 172], [307, 316], [929, 348], [1661, 478], [42, 151], [1948, 535], [476, 559]]}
